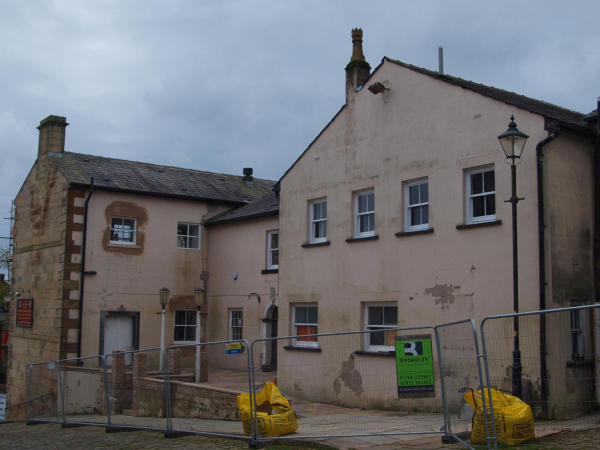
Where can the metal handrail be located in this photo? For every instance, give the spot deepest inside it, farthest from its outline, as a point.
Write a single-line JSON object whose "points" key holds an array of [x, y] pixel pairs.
{"points": [[53, 393]]}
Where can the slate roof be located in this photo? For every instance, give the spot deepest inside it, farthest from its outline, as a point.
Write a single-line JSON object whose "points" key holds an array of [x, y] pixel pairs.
{"points": [[150, 179], [266, 206], [548, 110]]}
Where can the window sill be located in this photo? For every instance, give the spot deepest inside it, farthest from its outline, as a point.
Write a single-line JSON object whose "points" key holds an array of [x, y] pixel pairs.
{"points": [[478, 225], [316, 244], [302, 349], [366, 238], [411, 233], [580, 363], [123, 245], [390, 354], [267, 271]]}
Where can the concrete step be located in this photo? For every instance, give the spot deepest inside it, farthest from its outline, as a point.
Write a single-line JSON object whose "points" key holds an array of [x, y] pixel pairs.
{"points": [[128, 412]]}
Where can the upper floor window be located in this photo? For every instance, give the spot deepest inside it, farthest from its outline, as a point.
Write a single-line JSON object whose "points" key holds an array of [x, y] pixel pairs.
{"points": [[236, 324], [185, 325], [188, 236], [318, 221], [364, 212], [123, 230], [380, 317], [417, 205], [305, 320], [481, 195], [273, 250]]}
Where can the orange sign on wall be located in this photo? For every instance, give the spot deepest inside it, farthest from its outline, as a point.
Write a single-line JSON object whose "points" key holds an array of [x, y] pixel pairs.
{"points": [[25, 312]]}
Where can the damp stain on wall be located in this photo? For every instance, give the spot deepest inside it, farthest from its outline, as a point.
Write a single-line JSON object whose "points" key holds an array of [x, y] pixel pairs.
{"points": [[351, 377]]}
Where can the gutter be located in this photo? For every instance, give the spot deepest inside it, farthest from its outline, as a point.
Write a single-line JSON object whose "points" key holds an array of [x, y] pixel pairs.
{"points": [[83, 272], [542, 266]]}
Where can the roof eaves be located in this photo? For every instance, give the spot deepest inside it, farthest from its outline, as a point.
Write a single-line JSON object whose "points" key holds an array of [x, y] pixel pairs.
{"points": [[470, 85], [156, 194]]}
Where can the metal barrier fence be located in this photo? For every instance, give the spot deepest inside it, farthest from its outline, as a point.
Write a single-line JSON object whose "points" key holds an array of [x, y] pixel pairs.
{"points": [[39, 377], [214, 406], [558, 359], [461, 372], [348, 384], [136, 397], [380, 382], [81, 396]]}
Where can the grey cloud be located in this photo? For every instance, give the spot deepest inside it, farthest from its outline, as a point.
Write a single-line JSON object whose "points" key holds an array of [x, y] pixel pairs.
{"points": [[223, 85]]}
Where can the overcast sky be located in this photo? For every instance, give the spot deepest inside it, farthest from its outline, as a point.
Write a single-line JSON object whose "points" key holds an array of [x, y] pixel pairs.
{"points": [[222, 85]]}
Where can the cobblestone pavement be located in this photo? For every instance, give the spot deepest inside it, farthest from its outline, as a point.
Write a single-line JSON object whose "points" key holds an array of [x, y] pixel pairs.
{"points": [[580, 440], [17, 435]]}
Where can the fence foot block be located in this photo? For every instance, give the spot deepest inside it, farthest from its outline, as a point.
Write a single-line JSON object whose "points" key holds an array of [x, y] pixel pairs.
{"points": [[35, 422], [257, 445], [450, 439], [117, 429]]}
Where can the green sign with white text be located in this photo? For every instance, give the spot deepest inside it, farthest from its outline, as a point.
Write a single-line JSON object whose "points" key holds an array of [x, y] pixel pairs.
{"points": [[414, 364]]}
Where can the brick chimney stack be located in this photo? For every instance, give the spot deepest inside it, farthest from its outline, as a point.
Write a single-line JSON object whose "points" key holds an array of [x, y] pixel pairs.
{"points": [[52, 135], [358, 69]]}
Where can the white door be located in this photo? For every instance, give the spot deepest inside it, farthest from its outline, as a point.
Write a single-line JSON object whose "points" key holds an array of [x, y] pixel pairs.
{"points": [[118, 336]]}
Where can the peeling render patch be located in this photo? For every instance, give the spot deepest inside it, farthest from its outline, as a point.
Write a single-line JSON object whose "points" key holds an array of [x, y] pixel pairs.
{"points": [[350, 376], [130, 210], [444, 294]]}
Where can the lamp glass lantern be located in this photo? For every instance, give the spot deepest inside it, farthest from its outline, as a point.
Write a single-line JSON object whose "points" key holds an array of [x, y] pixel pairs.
{"points": [[164, 296], [513, 141]]}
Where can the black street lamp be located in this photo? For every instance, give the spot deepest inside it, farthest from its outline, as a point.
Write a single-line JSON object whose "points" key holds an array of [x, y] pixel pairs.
{"points": [[513, 141]]}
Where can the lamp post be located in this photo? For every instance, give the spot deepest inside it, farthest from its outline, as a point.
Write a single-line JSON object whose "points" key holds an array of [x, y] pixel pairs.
{"points": [[200, 298], [164, 299], [513, 142]]}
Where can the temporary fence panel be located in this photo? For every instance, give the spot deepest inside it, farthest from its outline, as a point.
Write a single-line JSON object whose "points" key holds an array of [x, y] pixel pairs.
{"points": [[558, 357], [462, 374], [210, 407], [363, 383], [83, 400], [44, 386], [135, 387]]}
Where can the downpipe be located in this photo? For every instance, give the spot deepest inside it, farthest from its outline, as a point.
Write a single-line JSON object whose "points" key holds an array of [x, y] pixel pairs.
{"points": [[539, 154]]}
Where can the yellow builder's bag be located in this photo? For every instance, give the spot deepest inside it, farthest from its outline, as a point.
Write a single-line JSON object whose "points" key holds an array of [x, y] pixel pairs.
{"points": [[269, 425], [513, 417]]}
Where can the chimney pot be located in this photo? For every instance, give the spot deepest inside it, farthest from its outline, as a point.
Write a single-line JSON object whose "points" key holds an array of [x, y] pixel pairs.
{"points": [[358, 69], [52, 135], [248, 179]]}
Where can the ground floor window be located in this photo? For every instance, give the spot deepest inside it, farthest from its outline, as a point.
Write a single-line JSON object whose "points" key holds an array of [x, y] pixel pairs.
{"points": [[305, 322], [185, 325], [380, 317], [236, 324], [577, 334]]}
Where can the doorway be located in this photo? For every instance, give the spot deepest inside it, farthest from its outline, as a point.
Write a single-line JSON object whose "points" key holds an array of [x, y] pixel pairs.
{"points": [[272, 332], [119, 331]]}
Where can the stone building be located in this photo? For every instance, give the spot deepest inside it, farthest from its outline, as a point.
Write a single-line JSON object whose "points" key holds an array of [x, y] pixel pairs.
{"points": [[102, 254]]}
